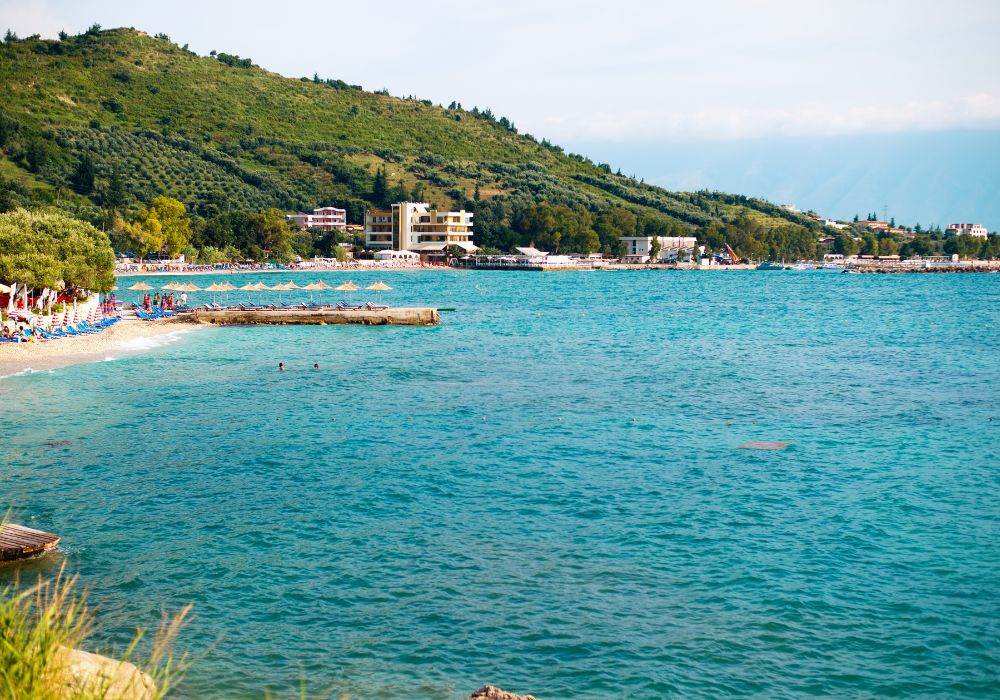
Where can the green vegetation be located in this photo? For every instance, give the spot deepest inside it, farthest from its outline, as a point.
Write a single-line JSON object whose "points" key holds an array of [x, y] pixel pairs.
{"points": [[60, 253], [106, 121], [39, 625]]}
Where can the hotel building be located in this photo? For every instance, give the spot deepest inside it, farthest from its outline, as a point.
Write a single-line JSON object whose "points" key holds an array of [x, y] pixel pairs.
{"points": [[977, 230], [326, 218], [415, 226]]}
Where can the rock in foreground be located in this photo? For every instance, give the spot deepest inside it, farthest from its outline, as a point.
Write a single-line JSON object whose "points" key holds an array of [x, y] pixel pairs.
{"points": [[491, 692]]}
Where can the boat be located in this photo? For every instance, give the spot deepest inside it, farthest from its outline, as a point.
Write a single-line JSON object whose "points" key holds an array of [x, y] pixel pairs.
{"points": [[770, 266], [830, 266], [803, 266]]}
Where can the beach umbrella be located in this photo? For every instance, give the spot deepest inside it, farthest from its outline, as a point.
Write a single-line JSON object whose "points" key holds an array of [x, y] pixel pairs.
{"points": [[347, 286], [191, 287], [250, 287], [214, 289], [378, 288], [227, 287], [258, 287], [137, 287], [172, 287], [316, 287]]}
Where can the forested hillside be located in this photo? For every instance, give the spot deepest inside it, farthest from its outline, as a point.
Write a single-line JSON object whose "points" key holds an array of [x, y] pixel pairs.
{"points": [[102, 123]]}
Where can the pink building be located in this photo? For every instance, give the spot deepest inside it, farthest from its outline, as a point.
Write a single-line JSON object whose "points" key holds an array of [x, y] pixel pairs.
{"points": [[326, 218]]}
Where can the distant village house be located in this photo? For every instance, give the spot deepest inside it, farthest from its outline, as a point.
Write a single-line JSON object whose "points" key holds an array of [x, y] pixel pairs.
{"points": [[324, 218]]}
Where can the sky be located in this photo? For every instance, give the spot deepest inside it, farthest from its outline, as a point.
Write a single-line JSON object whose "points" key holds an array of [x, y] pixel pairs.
{"points": [[684, 94]]}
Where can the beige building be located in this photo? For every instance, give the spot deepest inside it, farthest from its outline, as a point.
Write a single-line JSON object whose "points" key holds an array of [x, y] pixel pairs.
{"points": [[415, 226], [637, 248]]}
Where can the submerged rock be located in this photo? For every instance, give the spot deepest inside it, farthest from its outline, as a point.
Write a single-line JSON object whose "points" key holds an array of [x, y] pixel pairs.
{"points": [[491, 692]]}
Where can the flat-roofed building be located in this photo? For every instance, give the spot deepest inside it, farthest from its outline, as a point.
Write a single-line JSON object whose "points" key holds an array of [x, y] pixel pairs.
{"points": [[325, 218], [637, 248], [378, 229], [415, 226], [977, 230]]}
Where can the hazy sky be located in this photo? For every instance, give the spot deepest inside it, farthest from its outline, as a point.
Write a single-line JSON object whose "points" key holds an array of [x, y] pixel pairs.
{"points": [[628, 70], [615, 79]]}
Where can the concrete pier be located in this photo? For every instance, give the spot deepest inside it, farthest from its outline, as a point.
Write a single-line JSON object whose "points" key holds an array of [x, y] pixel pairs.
{"points": [[318, 317]]}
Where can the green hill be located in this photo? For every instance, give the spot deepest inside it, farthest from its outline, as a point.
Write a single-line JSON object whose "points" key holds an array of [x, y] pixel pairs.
{"points": [[109, 119]]}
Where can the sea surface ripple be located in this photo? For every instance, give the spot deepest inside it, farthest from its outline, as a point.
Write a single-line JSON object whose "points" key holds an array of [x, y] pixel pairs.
{"points": [[544, 492]]}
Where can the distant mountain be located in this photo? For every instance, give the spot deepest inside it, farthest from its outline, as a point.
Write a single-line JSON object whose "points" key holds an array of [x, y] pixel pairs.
{"points": [[924, 177], [112, 118]]}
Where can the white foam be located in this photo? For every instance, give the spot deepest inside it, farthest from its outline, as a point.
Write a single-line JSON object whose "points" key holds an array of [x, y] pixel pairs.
{"points": [[147, 343], [26, 370]]}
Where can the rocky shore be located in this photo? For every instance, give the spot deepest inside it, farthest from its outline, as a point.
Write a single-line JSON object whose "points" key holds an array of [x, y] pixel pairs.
{"points": [[491, 692]]}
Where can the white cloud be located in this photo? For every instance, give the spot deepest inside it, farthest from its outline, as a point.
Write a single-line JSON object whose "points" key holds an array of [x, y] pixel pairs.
{"points": [[635, 69], [26, 17], [980, 110]]}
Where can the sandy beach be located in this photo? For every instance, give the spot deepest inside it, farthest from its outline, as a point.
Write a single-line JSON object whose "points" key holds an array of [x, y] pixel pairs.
{"points": [[123, 338]]}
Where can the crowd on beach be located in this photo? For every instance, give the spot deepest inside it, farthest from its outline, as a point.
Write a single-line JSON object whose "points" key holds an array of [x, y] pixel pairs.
{"points": [[303, 266], [174, 266], [166, 302]]}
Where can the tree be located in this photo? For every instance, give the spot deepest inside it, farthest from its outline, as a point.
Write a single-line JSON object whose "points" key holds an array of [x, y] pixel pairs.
{"points": [[654, 249], [965, 246], [888, 246], [845, 245], [37, 155], [991, 248], [145, 233], [9, 36], [44, 249], [82, 179], [114, 196], [274, 234], [380, 189], [175, 226], [611, 226]]}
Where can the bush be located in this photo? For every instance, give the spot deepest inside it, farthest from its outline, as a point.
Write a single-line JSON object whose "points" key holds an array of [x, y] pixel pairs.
{"points": [[42, 624]]}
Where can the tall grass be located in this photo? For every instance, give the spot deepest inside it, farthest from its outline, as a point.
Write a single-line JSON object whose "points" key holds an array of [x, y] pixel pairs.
{"points": [[41, 625]]}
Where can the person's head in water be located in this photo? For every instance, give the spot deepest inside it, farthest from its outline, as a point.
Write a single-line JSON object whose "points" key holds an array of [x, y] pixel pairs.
{"points": [[315, 365], [281, 366]]}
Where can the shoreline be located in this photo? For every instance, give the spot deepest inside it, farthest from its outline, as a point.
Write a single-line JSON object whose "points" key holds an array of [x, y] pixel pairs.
{"points": [[360, 268], [22, 358]]}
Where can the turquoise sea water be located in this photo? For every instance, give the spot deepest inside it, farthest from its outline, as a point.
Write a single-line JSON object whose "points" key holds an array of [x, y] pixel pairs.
{"points": [[544, 491]]}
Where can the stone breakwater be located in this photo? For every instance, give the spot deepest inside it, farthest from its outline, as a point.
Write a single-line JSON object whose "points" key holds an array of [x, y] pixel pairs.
{"points": [[979, 266], [318, 317]]}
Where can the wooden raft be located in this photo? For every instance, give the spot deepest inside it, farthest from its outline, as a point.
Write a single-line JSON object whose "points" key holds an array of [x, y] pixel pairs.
{"points": [[19, 542]]}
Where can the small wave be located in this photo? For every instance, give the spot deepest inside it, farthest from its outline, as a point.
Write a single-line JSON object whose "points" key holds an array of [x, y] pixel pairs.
{"points": [[26, 370], [149, 342]]}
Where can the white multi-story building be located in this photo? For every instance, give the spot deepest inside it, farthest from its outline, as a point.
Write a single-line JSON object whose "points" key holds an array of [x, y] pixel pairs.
{"points": [[415, 226], [326, 218], [977, 230], [637, 248]]}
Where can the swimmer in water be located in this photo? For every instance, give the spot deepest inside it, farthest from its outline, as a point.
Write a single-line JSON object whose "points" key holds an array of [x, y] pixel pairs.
{"points": [[281, 366], [315, 365]]}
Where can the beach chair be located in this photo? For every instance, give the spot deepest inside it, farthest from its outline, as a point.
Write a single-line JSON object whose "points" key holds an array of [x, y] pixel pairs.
{"points": [[375, 307]]}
